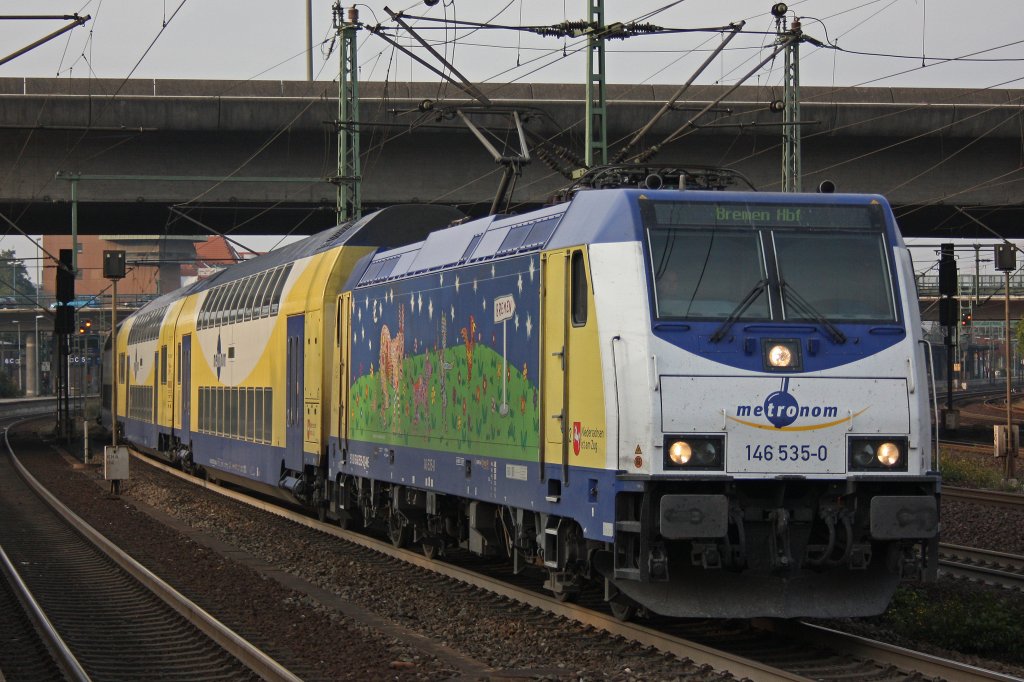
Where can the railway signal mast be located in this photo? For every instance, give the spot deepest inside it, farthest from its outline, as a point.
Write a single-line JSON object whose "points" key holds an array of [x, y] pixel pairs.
{"points": [[1006, 260], [948, 307]]}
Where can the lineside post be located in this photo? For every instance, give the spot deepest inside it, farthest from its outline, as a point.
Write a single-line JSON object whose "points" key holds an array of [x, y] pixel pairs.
{"points": [[1006, 260], [115, 458]]}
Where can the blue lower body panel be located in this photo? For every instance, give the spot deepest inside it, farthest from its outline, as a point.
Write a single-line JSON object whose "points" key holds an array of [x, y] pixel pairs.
{"points": [[586, 495]]}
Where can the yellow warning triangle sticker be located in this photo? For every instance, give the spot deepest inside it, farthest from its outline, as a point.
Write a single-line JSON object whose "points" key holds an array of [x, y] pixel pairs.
{"points": [[637, 451]]}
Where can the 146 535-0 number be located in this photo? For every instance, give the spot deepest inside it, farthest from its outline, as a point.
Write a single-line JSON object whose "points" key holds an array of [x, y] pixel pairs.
{"points": [[786, 453]]}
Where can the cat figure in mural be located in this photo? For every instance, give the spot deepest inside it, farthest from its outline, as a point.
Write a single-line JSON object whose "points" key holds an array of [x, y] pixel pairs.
{"points": [[392, 357]]}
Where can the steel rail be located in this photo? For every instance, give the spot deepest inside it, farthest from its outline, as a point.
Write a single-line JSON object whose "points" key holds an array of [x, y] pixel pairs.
{"points": [[999, 568], [903, 659], [992, 498], [60, 651], [249, 655]]}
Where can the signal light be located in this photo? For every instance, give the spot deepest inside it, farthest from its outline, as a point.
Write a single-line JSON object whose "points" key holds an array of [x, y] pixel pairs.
{"points": [[85, 327], [965, 320]]}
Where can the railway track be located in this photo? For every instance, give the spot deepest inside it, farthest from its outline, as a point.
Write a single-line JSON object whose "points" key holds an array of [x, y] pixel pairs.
{"points": [[22, 643], [761, 650], [993, 568], [116, 619], [992, 498]]}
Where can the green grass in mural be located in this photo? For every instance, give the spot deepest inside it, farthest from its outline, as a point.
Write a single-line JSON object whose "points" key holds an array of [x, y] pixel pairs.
{"points": [[459, 412]]}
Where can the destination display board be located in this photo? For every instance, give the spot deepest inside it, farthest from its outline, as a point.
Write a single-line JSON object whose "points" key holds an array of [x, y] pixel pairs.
{"points": [[761, 215]]}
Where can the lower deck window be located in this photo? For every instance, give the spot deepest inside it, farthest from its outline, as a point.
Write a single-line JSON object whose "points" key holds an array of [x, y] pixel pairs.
{"points": [[241, 412]]}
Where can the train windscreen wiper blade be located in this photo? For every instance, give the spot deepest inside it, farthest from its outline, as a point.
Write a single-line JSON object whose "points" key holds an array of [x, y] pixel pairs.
{"points": [[741, 308], [811, 312]]}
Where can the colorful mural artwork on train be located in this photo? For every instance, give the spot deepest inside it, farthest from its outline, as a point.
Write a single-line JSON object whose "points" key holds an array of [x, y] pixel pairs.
{"points": [[448, 361]]}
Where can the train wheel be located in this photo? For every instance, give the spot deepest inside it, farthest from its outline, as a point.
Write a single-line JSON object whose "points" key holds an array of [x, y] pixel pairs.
{"points": [[398, 530], [559, 590], [623, 610], [429, 550]]}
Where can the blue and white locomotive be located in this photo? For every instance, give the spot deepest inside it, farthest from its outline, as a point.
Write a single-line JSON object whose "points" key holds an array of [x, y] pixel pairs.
{"points": [[708, 403]]}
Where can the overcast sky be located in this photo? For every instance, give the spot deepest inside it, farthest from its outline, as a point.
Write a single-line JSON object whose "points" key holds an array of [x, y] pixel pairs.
{"points": [[910, 41], [266, 39]]}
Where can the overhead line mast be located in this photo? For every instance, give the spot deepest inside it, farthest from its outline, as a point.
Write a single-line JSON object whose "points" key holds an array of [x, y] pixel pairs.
{"points": [[597, 120], [349, 178], [791, 168]]}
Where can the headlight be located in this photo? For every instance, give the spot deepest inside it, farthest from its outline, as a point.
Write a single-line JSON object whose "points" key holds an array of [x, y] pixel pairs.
{"points": [[888, 454], [700, 453], [781, 355], [680, 452], [878, 454]]}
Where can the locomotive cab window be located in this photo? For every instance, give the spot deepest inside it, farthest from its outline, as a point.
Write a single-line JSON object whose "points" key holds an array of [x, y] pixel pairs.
{"points": [[841, 277], [579, 289], [708, 274]]}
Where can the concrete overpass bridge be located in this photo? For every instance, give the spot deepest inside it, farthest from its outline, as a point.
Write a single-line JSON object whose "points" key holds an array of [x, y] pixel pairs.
{"points": [[253, 157]]}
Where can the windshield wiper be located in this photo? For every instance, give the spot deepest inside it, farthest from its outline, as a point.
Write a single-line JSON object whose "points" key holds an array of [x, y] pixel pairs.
{"points": [[740, 308], [800, 303]]}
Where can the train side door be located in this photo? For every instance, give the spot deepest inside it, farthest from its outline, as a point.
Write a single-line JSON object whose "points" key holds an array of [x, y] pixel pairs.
{"points": [[344, 357], [185, 379], [294, 391], [554, 269], [156, 387]]}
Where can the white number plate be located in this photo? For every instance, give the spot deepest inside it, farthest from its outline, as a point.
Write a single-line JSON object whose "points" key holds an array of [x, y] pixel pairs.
{"points": [[787, 458]]}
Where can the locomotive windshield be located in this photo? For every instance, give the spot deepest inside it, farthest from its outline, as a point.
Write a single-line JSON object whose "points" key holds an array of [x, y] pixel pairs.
{"points": [[841, 276], [825, 263], [707, 273]]}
